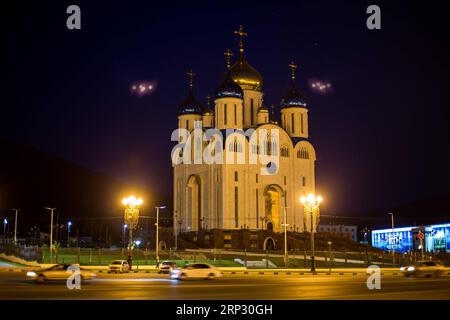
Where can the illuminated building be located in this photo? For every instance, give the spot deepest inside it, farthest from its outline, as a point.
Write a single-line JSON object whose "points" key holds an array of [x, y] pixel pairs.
{"points": [[341, 231], [437, 238], [236, 196]]}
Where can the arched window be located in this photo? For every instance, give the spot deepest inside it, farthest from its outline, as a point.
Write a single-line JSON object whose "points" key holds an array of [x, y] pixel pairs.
{"points": [[225, 114], [251, 111], [271, 148], [292, 123], [284, 151], [302, 153], [235, 146]]}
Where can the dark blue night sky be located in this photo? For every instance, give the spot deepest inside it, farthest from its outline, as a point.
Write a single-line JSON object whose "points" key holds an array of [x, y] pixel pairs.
{"points": [[380, 134]]}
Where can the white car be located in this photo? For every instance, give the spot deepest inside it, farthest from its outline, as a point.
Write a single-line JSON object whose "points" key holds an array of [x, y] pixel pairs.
{"points": [[196, 270], [166, 267], [119, 266], [58, 272], [424, 268]]}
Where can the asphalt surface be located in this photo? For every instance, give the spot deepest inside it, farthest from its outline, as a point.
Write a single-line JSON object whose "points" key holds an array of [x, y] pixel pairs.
{"points": [[13, 285]]}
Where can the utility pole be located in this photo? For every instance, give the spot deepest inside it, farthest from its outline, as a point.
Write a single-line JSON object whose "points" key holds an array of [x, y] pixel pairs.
{"points": [[15, 226], [176, 231], [311, 205], [69, 224], [393, 238], [5, 222], [285, 225], [51, 232], [157, 233]]}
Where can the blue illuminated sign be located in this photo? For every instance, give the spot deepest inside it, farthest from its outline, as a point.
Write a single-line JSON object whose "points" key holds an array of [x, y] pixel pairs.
{"points": [[399, 238], [439, 238]]}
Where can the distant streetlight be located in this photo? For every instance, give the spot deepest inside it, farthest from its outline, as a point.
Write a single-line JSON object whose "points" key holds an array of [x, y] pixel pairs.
{"points": [[131, 219], [311, 205], [69, 224], [5, 223], [329, 254], [285, 225], [157, 233], [125, 226], [51, 231], [15, 226], [392, 238], [175, 227]]}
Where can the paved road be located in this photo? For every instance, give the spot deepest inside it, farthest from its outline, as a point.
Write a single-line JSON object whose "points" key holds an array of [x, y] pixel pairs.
{"points": [[260, 287]]}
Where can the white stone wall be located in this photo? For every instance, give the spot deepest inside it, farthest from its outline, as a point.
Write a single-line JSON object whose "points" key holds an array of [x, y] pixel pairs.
{"points": [[217, 183]]}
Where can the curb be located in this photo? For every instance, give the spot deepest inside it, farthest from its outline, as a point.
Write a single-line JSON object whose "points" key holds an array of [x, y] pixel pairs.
{"points": [[304, 273]]}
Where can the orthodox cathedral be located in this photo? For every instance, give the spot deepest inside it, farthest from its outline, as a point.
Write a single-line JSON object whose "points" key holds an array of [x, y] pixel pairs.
{"points": [[237, 196]]}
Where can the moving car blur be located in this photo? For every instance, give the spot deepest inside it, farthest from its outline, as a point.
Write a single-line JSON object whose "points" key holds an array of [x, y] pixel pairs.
{"points": [[424, 268], [196, 270], [58, 272]]}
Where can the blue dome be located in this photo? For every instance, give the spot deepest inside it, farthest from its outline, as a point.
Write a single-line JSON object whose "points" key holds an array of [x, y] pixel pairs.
{"points": [[229, 88], [293, 98], [190, 105]]}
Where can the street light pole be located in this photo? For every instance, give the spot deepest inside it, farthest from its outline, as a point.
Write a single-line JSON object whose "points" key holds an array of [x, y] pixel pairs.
{"points": [[69, 224], [313, 262], [157, 233], [393, 238], [15, 226], [311, 206], [176, 231], [131, 219], [51, 232], [123, 236], [5, 222]]}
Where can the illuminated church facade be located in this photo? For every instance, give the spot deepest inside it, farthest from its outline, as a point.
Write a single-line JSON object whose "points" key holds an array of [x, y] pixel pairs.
{"points": [[236, 196]]}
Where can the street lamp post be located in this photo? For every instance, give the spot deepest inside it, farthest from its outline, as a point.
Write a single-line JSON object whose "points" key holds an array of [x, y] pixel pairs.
{"points": [[125, 226], [285, 225], [311, 205], [51, 232], [131, 219], [393, 238], [69, 224], [157, 233], [329, 254], [176, 231], [15, 225], [5, 223]]}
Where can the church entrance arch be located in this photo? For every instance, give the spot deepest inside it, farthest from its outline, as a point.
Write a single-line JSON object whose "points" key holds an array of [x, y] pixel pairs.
{"points": [[194, 212], [162, 246], [269, 244], [273, 195]]}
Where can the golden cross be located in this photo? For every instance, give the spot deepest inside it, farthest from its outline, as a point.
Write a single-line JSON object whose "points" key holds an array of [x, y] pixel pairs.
{"points": [[273, 109], [191, 75], [293, 68], [208, 100], [241, 35], [228, 54]]}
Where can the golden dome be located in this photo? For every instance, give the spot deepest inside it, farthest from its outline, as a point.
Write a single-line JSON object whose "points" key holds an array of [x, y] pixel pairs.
{"points": [[263, 109], [208, 112], [245, 75]]}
